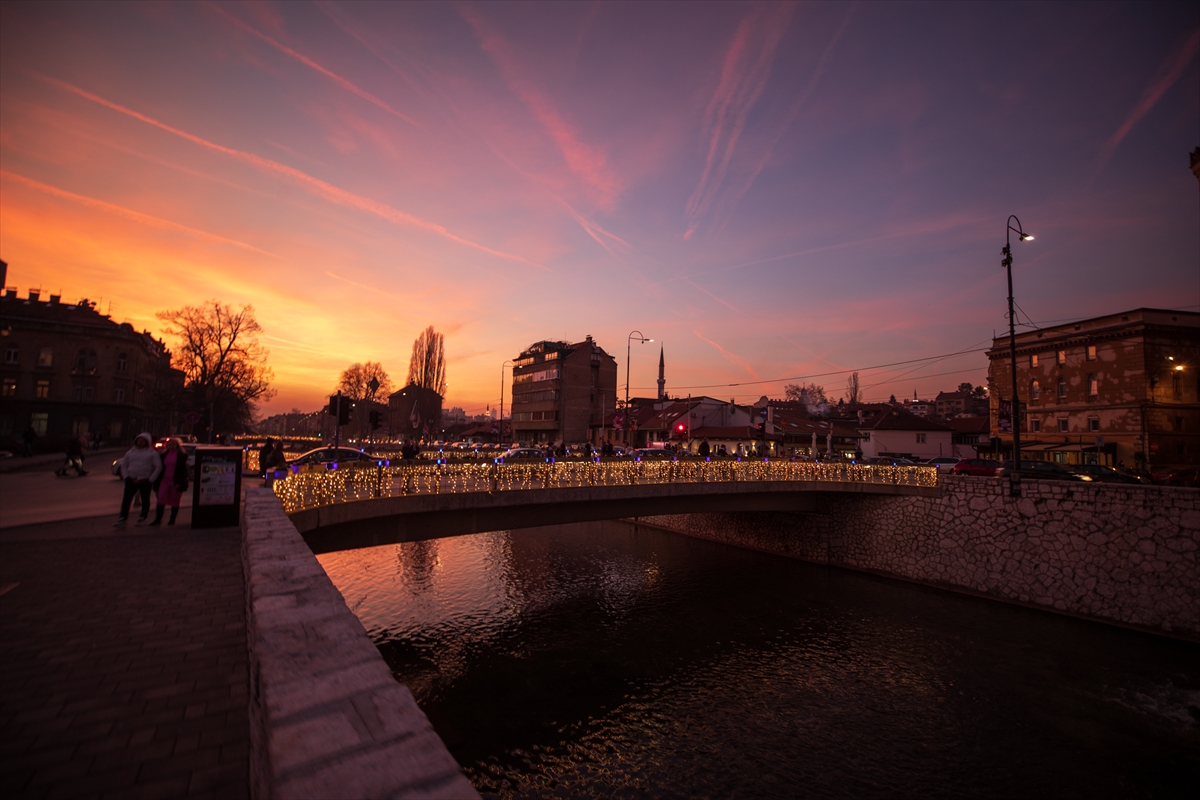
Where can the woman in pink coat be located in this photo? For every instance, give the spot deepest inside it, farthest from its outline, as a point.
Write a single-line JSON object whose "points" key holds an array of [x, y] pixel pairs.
{"points": [[172, 481]]}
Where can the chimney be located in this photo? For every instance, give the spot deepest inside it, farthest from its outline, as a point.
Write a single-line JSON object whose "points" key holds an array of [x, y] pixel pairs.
{"points": [[34, 294], [10, 294], [54, 298]]}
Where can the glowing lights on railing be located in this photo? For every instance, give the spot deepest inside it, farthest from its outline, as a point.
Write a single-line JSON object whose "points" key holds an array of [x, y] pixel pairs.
{"points": [[318, 487]]}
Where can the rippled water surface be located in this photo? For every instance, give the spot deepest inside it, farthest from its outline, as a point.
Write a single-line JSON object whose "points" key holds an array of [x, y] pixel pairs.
{"points": [[608, 660]]}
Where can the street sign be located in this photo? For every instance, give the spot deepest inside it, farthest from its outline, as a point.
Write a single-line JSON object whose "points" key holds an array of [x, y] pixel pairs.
{"points": [[1099, 441], [192, 418], [762, 412]]}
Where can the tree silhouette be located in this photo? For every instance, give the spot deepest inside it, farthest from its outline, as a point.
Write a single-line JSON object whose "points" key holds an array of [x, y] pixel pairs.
{"points": [[427, 367], [355, 382], [224, 366]]}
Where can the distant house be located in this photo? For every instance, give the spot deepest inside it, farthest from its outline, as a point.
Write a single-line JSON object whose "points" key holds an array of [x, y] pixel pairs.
{"points": [[895, 433], [562, 392], [969, 435], [414, 412]]}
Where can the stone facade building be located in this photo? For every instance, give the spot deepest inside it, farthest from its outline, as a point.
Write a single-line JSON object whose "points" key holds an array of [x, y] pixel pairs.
{"points": [[1119, 388], [562, 392], [414, 412], [67, 369]]}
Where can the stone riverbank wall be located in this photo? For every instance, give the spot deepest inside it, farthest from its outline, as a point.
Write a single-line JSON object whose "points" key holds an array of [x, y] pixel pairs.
{"points": [[327, 717], [1106, 551]]}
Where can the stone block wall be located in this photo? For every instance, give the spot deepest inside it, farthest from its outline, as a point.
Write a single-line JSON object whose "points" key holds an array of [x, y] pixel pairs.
{"points": [[327, 717], [1107, 551]]}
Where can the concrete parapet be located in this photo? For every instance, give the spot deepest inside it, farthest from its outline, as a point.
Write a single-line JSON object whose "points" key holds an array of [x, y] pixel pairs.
{"points": [[327, 717]]}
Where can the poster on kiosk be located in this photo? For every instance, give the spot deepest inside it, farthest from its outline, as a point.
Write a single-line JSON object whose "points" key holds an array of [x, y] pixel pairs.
{"points": [[217, 487]]}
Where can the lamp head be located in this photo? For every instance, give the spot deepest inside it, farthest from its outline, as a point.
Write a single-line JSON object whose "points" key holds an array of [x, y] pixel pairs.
{"points": [[1026, 237]]}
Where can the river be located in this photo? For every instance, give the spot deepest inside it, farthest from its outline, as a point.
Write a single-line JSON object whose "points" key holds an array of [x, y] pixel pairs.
{"points": [[614, 660]]}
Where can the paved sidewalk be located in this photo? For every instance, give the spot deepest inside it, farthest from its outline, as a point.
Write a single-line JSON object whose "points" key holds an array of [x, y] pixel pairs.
{"points": [[123, 669]]}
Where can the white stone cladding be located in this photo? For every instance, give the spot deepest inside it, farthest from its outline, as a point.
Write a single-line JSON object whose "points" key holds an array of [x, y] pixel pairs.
{"points": [[1110, 552]]}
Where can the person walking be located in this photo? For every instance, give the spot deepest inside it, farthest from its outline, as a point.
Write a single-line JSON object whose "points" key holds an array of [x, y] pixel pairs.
{"points": [[264, 456], [172, 481], [74, 458], [139, 467]]}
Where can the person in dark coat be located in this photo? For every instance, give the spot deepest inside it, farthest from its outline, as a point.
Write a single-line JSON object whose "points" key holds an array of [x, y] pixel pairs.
{"points": [[74, 458], [704, 449]]}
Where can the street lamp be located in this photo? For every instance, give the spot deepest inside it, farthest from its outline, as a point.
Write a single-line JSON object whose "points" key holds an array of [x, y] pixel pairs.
{"points": [[1015, 485], [628, 347], [500, 430]]}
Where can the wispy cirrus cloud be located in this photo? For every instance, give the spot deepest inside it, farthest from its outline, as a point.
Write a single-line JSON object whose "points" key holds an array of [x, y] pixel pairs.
{"points": [[588, 163], [745, 71], [308, 62], [316, 186], [128, 213], [1168, 73], [731, 357]]}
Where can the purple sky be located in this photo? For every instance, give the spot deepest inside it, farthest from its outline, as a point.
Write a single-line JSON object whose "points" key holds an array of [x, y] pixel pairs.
{"points": [[770, 190]]}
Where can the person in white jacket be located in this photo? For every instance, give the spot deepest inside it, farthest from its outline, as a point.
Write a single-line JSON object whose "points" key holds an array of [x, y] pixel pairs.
{"points": [[140, 467]]}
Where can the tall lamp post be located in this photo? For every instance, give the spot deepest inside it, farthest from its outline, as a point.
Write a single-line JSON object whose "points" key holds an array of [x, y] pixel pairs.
{"points": [[500, 434], [628, 349], [1015, 418]]}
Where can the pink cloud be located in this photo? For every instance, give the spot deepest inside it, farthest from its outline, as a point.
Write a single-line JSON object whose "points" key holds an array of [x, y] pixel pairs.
{"points": [[1168, 73], [315, 185], [308, 62], [587, 162]]}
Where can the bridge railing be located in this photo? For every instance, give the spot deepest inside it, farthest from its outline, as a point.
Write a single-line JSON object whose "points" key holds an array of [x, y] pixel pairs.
{"points": [[327, 487]]}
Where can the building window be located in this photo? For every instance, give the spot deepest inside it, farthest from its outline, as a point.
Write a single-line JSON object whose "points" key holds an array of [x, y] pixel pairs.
{"points": [[540, 375], [1179, 424], [9, 388], [1064, 425], [1035, 391], [1093, 424], [1062, 388], [122, 362], [86, 361], [1035, 426], [12, 354], [1093, 385], [119, 395], [46, 357], [42, 390], [920, 438], [1091, 352], [1033, 361], [88, 394], [38, 422], [1062, 357], [78, 392], [552, 355], [1177, 386]]}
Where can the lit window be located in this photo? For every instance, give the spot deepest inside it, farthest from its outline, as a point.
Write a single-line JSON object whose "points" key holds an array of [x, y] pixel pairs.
{"points": [[1093, 424], [42, 390], [1093, 385], [12, 354], [1062, 357], [46, 357], [1064, 425], [1035, 426], [1091, 352], [10, 387], [1062, 388], [1033, 361], [1035, 391], [38, 422]]}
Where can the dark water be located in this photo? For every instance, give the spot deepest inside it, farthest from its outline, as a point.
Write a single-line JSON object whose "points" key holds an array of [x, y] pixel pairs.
{"points": [[604, 660]]}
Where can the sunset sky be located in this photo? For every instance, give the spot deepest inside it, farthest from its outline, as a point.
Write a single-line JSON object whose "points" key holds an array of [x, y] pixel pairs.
{"points": [[770, 190]]}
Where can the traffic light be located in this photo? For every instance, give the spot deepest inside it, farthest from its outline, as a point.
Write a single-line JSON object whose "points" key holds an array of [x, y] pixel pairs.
{"points": [[375, 421], [681, 430], [761, 425], [340, 407]]}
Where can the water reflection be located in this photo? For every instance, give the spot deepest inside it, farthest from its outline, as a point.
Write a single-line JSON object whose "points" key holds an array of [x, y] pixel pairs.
{"points": [[604, 659]]}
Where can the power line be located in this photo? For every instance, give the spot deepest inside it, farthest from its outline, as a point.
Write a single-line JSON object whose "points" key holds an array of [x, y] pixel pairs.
{"points": [[828, 374]]}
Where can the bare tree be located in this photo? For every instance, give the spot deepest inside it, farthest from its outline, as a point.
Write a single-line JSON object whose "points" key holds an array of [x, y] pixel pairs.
{"points": [[852, 391], [355, 382], [808, 393], [223, 364], [427, 367]]}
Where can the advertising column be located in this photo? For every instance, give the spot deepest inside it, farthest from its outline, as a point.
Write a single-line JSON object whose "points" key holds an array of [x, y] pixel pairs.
{"points": [[217, 487]]}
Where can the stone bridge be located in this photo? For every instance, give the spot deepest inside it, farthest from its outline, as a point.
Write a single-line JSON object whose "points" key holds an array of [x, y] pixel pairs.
{"points": [[365, 507]]}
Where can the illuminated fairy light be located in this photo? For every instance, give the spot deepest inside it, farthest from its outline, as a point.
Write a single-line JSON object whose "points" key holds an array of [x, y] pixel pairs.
{"points": [[316, 487]]}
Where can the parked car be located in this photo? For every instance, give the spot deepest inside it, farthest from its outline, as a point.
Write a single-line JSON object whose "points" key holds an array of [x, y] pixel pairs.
{"points": [[330, 455], [1042, 470], [883, 461], [1183, 477], [943, 463], [1103, 474], [521, 454], [979, 467], [654, 454]]}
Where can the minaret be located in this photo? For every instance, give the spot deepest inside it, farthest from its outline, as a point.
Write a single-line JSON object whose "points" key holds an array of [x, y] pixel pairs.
{"points": [[662, 377]]}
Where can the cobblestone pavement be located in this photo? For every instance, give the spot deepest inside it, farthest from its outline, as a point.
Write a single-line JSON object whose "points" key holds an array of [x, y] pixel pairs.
{"points": [[122, 662]]}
